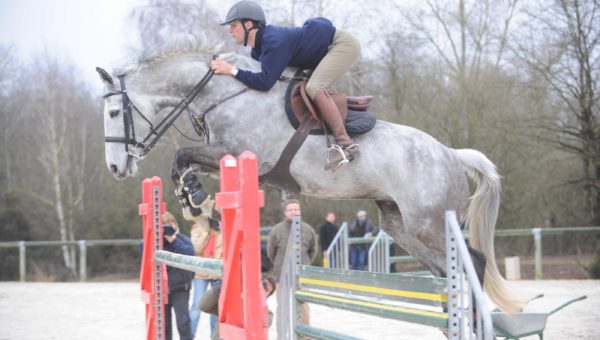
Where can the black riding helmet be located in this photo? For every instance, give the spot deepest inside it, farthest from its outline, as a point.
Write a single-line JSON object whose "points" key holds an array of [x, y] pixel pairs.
{"points": [[243, 11]]}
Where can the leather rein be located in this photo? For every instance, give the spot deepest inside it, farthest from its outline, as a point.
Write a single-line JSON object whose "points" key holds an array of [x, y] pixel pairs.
{"points": [[141, 149]]}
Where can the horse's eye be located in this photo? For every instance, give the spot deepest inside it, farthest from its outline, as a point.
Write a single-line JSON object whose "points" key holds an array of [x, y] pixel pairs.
{"points": [[114, 113]]}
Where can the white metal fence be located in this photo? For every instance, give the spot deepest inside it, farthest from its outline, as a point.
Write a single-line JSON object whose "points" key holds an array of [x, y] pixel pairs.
{"points": [[380, 260]]}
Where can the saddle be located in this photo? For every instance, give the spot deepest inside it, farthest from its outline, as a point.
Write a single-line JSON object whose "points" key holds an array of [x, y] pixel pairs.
{"points": [[298, 106], [304, 118]]}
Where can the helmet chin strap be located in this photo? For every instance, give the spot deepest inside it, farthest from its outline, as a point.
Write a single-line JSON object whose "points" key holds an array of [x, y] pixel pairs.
{"points": [[246, 31]]}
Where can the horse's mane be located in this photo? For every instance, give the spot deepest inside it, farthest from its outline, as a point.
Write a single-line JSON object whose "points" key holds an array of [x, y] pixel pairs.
{"points": [[180, 45]]}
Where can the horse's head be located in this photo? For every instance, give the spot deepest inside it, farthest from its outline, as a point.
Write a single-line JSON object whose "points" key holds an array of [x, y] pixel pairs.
{"points": [[141, 107], [118, 125], [147, 96], [134, 118]]}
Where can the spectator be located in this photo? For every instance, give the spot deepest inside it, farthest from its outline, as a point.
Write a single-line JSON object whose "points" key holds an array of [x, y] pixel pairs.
{"points": [[180, 281], [361, 227], [207, 243], [278, 242], [265, 263], [327, 232]]}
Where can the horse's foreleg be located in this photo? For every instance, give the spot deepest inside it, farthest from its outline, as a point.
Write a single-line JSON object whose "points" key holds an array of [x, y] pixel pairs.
{"points": [[393, 224], [189, 190], [206, 157]]}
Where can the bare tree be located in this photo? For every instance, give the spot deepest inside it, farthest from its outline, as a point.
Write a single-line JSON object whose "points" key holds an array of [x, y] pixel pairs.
{"points": [[8, 106], [57, 128], [469, 39], [160, 20], [560, 44]]}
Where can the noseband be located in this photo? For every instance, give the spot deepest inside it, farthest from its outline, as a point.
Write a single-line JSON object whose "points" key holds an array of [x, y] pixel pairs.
{"points": [[141, 149]]}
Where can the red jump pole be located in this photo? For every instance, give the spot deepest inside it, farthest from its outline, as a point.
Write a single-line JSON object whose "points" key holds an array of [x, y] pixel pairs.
{"points": [[242, 304], [153, 277]]}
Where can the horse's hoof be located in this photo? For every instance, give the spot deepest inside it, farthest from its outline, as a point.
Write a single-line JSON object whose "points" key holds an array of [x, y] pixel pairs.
{"points": [[214, 224]]}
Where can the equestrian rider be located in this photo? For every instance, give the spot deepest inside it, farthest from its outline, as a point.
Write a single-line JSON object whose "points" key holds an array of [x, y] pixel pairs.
{"points": [[317, 45]]}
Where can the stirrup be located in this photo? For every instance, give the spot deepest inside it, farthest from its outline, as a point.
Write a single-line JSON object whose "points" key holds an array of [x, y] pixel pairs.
{"points": [[350, 147], [341, 151]]}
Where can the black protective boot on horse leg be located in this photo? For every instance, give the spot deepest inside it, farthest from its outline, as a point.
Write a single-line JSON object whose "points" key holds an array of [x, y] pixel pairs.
{"points": [[182, 196], [190, 212], [344, 150], [193, 187]]}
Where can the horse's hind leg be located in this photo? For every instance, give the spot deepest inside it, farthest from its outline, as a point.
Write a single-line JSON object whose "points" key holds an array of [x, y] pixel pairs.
{"points": [[392, 223], [479, 260]]}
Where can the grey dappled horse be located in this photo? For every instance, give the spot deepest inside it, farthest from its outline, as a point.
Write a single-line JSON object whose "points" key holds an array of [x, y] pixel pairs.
{"points": [[412, 177]]}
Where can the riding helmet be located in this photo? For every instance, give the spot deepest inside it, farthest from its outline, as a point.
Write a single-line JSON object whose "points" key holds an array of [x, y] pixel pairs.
{"points": [[249, 10]]}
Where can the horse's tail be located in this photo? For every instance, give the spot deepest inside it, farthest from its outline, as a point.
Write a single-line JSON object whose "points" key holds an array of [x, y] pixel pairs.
{"points": [[481, 216]]}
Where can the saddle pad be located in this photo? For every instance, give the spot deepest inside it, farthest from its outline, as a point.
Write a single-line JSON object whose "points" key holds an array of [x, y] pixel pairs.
{"points": [[356, 123]]}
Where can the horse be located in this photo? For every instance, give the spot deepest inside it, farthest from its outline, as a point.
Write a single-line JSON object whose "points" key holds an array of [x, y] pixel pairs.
{"points": [[412, 177]]}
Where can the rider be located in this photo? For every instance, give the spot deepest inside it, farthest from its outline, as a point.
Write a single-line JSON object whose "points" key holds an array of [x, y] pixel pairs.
{"points": [[317, 45]]}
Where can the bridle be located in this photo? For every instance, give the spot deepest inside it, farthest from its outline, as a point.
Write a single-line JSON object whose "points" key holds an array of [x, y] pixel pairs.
{"points": [[140, 149]]}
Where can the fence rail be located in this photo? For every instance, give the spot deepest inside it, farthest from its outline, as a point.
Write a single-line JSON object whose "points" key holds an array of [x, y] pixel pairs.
{"points": [[82, 244], [337, 255], [381, 260]]}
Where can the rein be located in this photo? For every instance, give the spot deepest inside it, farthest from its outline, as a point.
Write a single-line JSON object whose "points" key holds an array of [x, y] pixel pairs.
{"points": [[199, 123], [141, 149]]}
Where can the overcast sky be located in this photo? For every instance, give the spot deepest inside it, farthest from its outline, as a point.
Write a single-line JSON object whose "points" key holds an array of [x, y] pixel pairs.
{"points": [[87, 33], [84, 33]]}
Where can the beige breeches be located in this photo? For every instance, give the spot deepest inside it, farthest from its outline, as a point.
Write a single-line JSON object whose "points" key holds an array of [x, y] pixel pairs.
{"points": [[343, 53]]}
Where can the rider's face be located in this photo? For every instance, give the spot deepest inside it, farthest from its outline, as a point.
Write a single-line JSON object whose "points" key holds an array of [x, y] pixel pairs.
{"points": [[236, 31]]}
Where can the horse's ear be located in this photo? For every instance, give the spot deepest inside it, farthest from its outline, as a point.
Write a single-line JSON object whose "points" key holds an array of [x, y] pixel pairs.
{"points": [[106, 78]]}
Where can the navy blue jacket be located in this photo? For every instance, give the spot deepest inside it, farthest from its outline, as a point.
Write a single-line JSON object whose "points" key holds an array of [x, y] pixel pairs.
{"points": [[179, 279], [278, 47]]}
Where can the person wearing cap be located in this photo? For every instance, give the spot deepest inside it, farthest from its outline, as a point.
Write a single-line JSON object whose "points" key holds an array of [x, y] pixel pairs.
{"points": [[361, 227], [179, 280], [317, 45]]}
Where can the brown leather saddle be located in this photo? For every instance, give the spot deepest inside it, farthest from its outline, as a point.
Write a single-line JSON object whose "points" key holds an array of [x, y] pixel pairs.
{"points": [[305, 119], [298, 106]]}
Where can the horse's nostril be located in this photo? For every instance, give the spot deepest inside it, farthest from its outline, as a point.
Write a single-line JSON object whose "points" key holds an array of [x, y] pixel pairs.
{"points": [[113, 168]]}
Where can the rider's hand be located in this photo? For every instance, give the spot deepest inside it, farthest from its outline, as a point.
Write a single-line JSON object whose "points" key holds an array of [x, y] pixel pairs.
{"points": [[170, 238], [220, 66]]}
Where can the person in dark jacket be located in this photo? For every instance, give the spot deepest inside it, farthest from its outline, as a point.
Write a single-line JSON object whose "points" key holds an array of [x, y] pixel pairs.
{"points": [[180, 280], [362, 227], [317, 45], [327, 232]]}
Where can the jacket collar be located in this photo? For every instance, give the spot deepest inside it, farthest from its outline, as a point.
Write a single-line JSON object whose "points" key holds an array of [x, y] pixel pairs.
{"points": [[258, 41]]}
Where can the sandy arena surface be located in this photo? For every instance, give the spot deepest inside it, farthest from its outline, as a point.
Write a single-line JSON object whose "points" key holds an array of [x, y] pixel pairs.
{"points": [[115, 311]]}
